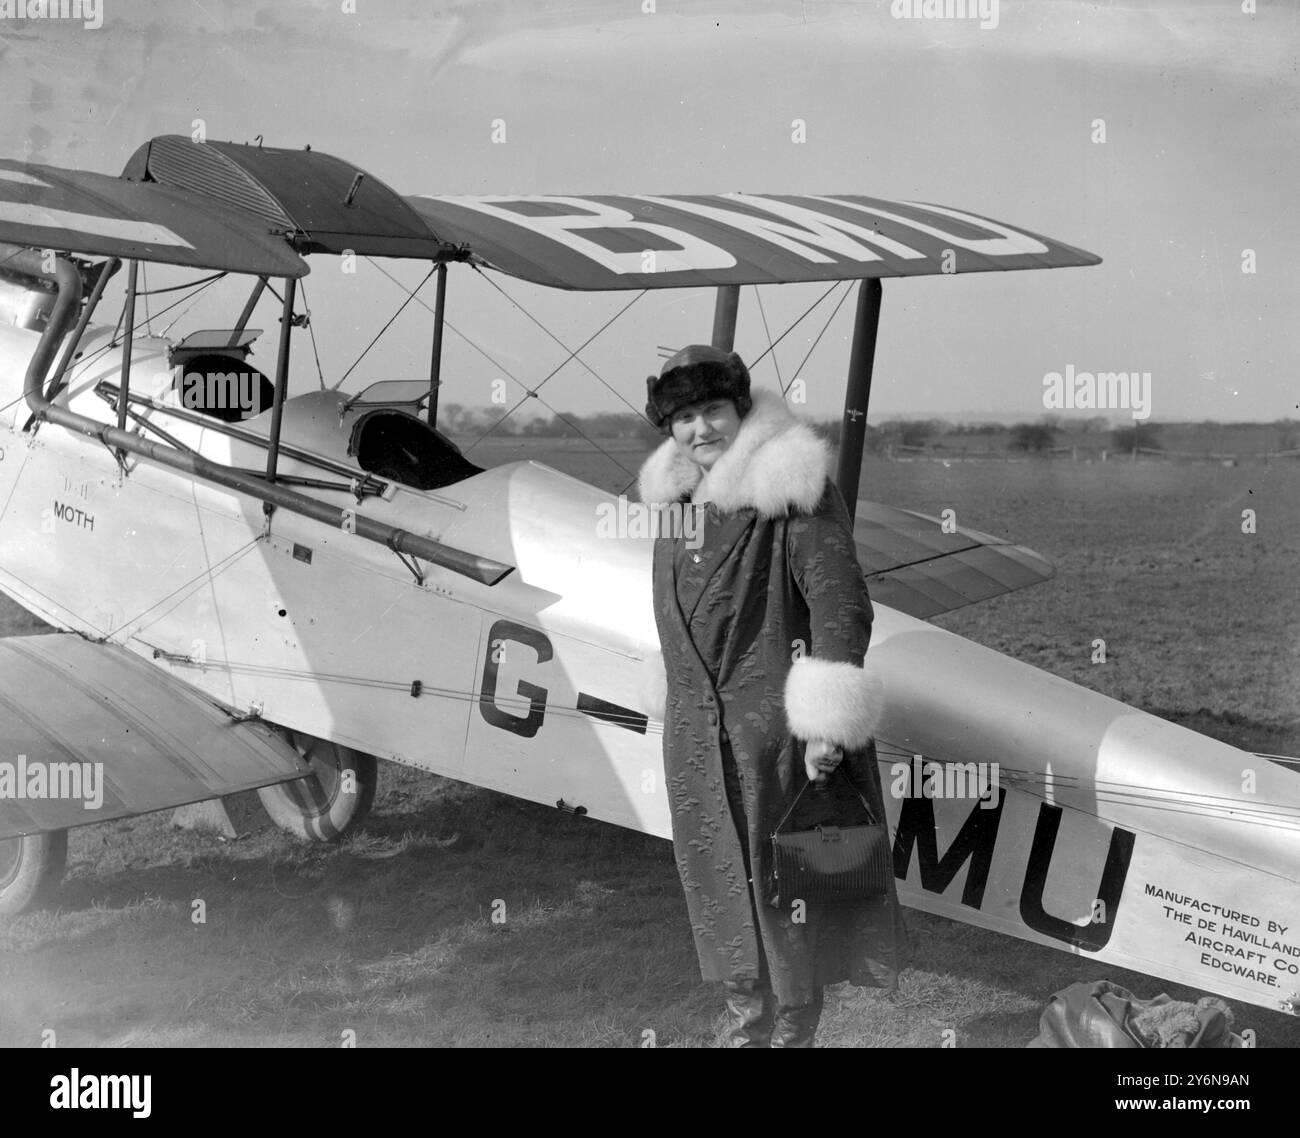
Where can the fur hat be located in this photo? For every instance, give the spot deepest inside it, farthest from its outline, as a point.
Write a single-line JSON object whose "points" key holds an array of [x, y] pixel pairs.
{"points": [[695, 374]]}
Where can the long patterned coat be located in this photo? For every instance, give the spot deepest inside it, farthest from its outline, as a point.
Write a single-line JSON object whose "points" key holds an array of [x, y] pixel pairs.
{"points": [[763, 629]]}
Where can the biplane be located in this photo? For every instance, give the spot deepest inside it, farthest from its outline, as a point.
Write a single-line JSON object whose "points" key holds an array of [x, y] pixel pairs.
{"points": [[258, 589]]}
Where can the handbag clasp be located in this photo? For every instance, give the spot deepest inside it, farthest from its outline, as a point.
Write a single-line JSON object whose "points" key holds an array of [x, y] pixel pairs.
{"points": [[830, 833]]}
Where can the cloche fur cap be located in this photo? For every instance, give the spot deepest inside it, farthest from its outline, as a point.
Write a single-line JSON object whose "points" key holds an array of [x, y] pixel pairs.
{"points": [[696, 373]]}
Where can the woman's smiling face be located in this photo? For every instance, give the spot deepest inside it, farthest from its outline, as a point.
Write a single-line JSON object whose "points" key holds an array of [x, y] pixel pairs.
{"points": [[703, 431]]}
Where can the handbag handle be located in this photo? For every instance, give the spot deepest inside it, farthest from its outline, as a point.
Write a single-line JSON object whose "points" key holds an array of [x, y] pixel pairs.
{"points": [[871, 817]]}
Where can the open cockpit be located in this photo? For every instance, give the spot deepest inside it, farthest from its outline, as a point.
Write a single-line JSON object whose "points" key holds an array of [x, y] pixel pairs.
{"points": [[379, 431]]}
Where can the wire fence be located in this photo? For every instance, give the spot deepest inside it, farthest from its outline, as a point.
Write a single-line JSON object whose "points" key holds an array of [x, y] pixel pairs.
{"points": [[905, 453]]}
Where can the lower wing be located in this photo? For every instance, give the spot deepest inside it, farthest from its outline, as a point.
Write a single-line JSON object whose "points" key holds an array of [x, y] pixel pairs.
{"points": [[91, 732]]}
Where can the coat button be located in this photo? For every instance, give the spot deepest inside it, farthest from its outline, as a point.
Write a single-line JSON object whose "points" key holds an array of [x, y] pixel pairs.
{"points": [[696, 558], [712, 718]]}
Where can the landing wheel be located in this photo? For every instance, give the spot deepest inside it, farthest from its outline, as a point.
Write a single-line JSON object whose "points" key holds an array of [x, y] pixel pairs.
{"points": [[329, 802], [30, 869]]}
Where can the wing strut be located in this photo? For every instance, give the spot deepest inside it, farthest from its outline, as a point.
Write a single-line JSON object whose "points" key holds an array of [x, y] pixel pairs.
{"points": [[281, 382], [857, 393], [247, 314], [435, 360], [128, 342], [724, 317]]}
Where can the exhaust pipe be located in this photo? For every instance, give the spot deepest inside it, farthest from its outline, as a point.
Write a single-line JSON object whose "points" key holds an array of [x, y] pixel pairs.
{"points": [[67, 303]]}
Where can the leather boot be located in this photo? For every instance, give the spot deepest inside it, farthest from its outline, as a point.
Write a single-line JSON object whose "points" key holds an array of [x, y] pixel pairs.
{"points": [[749, 1012], [796, 1026]]}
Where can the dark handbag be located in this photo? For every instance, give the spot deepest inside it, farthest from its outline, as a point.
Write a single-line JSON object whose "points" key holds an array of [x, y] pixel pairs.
{"points": [[830, 863]]}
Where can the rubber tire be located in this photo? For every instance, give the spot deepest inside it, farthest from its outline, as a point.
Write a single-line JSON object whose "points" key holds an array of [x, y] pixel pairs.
{"points": [[315, 808], [28, 879]]}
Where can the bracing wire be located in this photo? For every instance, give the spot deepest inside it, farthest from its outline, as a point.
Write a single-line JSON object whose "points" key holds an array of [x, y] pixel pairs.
{"points": [[640, 412], [400, 309], [758, 296], [759, 359], [210, 571], [825, 327], [144, 296], [530, 393], [315, 351]]}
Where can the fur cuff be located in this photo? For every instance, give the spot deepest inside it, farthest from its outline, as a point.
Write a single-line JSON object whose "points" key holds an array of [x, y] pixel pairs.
{"points": [[838, 702], [653, 686]]}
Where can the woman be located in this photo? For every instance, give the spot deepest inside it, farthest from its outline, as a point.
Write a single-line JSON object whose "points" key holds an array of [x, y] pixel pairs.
{"points": [[764, 624]]}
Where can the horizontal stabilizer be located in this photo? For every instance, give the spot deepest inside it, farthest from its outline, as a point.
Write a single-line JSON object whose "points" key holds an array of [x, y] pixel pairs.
{"points": [[914, 566]]}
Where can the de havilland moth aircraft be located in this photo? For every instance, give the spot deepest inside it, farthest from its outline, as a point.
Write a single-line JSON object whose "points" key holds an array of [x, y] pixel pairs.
{"points": [[275, 600]]}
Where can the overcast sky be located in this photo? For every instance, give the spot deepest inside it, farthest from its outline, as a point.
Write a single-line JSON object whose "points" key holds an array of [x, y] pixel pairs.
{"points": [[1201, 161]]}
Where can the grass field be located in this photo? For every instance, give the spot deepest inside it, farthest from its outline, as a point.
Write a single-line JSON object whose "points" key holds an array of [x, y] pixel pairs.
{"points": [[389, 935]]}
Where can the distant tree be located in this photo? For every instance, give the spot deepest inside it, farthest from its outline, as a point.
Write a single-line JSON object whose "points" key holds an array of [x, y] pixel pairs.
{"points": [[647, 432], [543, 426], [918, 432], [975, 429], [874, 439], [1288, 434], [449, 417], [476, 420], [515, 426], [1097, 425], [565, 425], [1032, 437], [1139, 435]]}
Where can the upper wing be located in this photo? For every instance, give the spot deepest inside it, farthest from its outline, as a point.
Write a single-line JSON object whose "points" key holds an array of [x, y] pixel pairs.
{"points": [[81, 212], [617, 242], [172, 188], [91, 732], [914, 566]]}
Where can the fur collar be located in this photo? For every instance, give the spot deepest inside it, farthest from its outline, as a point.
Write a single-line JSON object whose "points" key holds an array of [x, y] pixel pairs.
{"points": [[776, 465]]}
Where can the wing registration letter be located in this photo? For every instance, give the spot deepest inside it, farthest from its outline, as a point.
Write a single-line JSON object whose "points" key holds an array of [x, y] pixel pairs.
{"points": [[571, 216]]}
